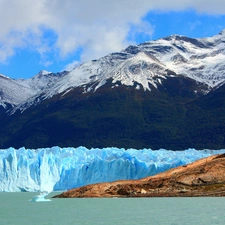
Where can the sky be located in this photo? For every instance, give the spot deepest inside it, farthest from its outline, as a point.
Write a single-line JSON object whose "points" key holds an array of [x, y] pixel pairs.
{"points": [[57, 35]]}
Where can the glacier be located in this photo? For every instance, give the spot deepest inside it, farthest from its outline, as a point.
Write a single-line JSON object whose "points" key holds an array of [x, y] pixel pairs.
{"points": [[59, 169]]}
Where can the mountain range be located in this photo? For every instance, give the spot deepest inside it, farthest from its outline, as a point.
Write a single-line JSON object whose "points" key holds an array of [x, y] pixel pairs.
{"points": [[166, 93]]}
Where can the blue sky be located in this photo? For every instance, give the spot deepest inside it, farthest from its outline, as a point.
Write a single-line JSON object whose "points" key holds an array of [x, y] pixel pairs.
{"points": [[58, 35]]}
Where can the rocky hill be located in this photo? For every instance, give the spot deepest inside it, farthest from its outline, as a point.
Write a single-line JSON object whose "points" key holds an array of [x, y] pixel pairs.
{"points": [[205, 177]]}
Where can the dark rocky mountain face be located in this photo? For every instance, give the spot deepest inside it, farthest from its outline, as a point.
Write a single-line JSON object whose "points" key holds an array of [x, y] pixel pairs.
{"points": [[176, 115]]}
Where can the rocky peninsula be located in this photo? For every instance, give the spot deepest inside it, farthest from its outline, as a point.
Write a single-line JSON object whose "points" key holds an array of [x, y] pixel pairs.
{"points": [[205, 177]]}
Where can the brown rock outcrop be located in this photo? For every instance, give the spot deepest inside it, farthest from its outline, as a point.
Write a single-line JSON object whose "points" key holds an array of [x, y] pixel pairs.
{"points": [[205, 177]]}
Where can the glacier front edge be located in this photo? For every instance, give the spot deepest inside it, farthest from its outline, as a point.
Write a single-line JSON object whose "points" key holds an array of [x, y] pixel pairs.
{"points": [[59, 169]]}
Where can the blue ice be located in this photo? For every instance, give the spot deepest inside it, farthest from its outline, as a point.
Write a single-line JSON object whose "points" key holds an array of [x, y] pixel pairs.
{"points": [[58, 169], [40, 198]]}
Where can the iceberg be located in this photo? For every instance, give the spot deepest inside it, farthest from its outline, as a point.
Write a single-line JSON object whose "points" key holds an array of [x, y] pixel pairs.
{"points": [[59, 169], [40, 198]]}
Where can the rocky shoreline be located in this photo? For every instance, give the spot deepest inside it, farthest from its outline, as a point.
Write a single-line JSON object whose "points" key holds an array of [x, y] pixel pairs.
{"points": [[205, 177]]}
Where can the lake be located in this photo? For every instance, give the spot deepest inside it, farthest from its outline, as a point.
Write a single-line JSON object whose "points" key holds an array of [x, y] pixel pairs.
{"points": [[16, 209]]}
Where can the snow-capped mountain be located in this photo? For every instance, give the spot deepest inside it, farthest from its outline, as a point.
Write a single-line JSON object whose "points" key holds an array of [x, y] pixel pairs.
{"points": [[144, 66], [13, 92], [168, 93], [16, 92], [148, 63]]}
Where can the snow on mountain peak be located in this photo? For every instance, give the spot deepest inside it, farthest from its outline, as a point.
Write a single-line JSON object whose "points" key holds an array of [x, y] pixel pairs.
{"points": [[3, 76], [19, 93], [222, 33], [143, 65], [149, 63], [142, 68], [44, 72]]}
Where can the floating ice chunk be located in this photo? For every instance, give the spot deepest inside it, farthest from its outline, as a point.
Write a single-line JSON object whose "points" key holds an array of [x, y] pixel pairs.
{"points": [[40, 198]]}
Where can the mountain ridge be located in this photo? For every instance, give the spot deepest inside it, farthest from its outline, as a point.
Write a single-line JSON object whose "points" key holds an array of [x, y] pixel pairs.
{"points": [[167, 93], [147, 63]]}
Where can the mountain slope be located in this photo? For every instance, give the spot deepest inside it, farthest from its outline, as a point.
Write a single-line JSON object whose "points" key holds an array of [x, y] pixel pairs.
{"points": [[142, 65], [151, 62], [18, 92], [204, 177], [166, 93], [121, 116]]}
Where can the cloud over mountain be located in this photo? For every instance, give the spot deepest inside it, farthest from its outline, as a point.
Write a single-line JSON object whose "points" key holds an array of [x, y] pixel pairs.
{"points": [[97, 27]]}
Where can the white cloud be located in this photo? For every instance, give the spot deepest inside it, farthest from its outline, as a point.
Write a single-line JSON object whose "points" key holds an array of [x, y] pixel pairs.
{"points": [[143, 28], [106, 39], [97, 26], [71, 65]]}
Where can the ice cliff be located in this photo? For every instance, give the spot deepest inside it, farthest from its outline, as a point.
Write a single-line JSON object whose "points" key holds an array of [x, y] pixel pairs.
{"points": [[58, 168]]}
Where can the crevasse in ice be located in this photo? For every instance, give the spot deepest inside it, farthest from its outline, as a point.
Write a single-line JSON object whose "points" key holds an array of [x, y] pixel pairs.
{"points": [[58, 168]]}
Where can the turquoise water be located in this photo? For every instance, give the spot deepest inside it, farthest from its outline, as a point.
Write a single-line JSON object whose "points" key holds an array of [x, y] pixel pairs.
{"points": [[16, 209]]}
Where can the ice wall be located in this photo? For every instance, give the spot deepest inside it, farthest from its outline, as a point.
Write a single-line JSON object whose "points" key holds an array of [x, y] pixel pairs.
{"points": [[65, 168]]}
